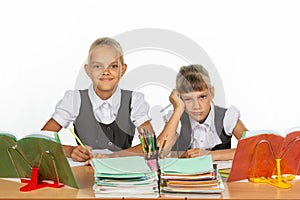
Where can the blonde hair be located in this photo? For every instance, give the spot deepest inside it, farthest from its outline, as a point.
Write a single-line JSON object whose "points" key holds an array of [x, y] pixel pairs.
{"points": [[192, 78], [106, 41]]}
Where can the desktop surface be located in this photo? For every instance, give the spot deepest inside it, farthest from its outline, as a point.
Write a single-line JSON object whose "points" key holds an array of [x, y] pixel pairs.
{"points": [[9, 189]]}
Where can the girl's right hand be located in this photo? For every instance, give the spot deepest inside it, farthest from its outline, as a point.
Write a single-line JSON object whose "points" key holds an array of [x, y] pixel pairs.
{"points": [[81, 154]]}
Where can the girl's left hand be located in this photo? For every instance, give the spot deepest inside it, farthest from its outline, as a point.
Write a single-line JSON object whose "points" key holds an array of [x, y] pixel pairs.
{"points": [[191, 153], [177, 102]]}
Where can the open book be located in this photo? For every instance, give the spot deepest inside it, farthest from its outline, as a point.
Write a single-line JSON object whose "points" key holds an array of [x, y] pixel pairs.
{"points": [[41, 150], [258, 150]]}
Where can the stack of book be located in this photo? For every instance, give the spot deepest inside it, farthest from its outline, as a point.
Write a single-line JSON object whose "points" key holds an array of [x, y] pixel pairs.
{"points": [[224, 168], [189, 176], [124, 177]]}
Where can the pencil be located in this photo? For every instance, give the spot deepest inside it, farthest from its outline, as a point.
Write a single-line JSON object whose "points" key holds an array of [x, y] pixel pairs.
{"points": [[163, 146], [77, 138], [153, 142], [142, 142], [162, 110]]}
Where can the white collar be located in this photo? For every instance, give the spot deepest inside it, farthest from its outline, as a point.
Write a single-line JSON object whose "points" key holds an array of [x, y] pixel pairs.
{"points": [[209, 121], [113, 101]]}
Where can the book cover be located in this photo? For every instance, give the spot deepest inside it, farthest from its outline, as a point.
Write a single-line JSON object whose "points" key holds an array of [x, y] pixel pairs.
{"points": [[42, 150], [257, 150]]}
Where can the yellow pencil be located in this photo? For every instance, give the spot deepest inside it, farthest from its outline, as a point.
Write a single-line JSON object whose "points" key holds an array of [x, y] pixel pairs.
{"points": [[77, 138]]}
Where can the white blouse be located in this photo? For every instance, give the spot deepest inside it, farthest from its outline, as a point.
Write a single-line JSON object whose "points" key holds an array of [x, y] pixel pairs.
{"points": [[204, 135], [105, 111]]}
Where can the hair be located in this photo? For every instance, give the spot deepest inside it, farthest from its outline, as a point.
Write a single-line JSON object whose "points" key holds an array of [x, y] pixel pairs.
{"points": [[109, 42], [192, 78]]}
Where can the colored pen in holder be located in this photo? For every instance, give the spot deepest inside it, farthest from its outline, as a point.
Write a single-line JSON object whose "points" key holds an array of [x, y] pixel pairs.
{"points": [[152, 161], [149, 148]]}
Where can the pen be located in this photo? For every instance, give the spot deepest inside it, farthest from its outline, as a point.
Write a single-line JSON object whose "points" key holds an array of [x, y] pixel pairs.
{"points": [[215, 170], [153, 143], [162, 110], [142, 142], [77, 138], [149, 150], [163, 146], [147, 135]]}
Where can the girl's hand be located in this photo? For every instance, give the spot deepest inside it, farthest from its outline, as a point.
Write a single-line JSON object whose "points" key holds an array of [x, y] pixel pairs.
{"points": [[176, 101], [81, 154], [191, 153], [99, 155]]}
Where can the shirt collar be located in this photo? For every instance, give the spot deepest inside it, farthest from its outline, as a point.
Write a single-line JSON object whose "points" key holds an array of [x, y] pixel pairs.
{"points": [[209, 121], [113, 101]]}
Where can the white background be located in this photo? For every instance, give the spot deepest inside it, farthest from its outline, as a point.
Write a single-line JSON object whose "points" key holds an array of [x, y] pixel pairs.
{"points": [[254, 45]]}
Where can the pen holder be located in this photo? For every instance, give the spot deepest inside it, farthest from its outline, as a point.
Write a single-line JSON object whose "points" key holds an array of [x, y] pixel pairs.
{"points": [[152, 161]]}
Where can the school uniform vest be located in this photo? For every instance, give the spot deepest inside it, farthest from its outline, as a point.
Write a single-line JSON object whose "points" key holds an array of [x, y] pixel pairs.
{"points": [[184, 139], [115, 136]]}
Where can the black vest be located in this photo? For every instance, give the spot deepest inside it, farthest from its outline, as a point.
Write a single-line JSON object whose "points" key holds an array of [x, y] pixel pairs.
{"points": [[184, 139], [115, 136]]}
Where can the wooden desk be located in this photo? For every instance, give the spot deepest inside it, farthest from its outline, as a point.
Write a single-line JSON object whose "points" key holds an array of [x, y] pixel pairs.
{"points": [[84, 175]]}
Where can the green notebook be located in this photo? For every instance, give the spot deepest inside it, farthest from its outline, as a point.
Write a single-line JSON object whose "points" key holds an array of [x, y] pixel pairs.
{"points": [[197, 165], [121, 167], [18, 155]]}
